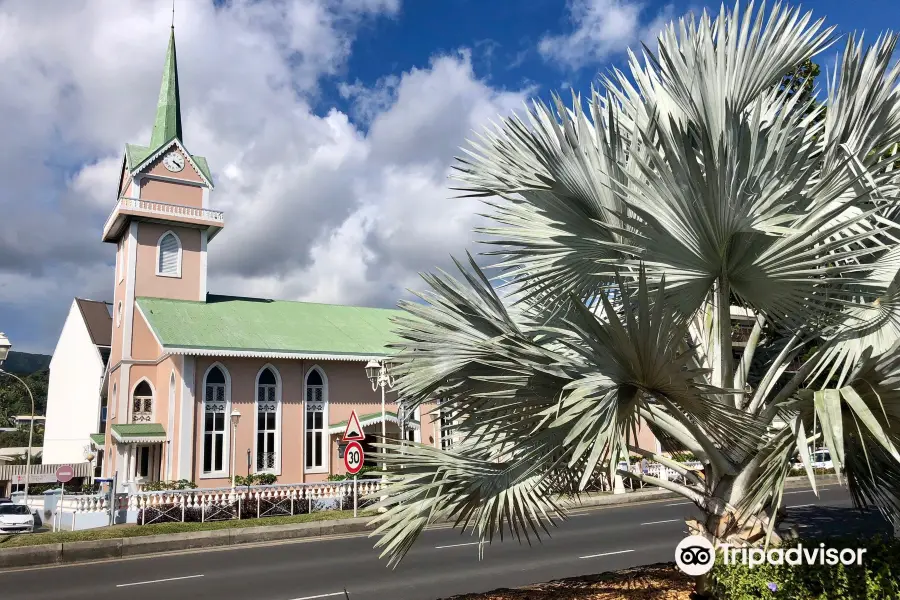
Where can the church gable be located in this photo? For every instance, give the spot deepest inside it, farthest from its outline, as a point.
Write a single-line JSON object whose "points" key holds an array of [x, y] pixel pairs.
{"points": [[153, 164]]}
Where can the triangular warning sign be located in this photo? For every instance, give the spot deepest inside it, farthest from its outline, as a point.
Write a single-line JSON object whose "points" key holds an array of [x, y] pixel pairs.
{"points": [[354, 431]]}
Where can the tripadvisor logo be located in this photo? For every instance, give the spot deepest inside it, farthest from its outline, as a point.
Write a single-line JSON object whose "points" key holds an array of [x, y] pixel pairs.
{"points": [[695, 555]]}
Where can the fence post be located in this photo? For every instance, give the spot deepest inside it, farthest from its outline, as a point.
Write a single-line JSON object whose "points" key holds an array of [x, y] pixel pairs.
{"points": [[183, 502], [202, 510], [239, 506], [258, 502], [354, 496], [292, 503], [143, 510]]}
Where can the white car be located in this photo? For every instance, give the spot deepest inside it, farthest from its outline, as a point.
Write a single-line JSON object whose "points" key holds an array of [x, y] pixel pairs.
{"points": [[16, 518], [821, 459]]}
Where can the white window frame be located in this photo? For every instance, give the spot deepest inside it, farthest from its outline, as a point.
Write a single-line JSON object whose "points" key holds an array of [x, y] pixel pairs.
{"points": [[120, 260], [326, 437], [111, 406], [276, 470], [119, 314], [152, 401], [226, 440], [177, 274]]}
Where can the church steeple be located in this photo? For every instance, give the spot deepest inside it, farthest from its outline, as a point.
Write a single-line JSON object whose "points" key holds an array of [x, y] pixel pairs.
{"points": [[168, 111]]}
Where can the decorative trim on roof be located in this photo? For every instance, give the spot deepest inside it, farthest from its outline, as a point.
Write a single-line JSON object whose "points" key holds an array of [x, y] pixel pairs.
{"points": [[162, 150], [268, 354], [372, 419]]}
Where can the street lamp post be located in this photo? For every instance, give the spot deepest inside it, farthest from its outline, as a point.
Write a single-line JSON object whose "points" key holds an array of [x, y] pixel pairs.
{"points": [[379, 376], [235, 417], [5, 346]]}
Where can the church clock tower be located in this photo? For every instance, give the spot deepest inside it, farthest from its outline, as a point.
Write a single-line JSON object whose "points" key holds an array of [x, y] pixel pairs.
{"points": [[161, 225], [162, 222]]}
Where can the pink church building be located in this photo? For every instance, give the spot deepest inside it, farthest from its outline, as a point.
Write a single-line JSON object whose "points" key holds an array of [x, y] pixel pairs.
{"points": [[182, 361]]}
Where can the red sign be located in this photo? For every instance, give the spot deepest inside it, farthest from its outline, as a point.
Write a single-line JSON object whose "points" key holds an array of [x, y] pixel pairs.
{"points": [[353, 458], [354, 431], [65, 473]]}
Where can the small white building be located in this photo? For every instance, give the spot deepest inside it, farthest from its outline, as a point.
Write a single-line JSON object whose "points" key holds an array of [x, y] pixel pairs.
{"points": [[75, 406]]}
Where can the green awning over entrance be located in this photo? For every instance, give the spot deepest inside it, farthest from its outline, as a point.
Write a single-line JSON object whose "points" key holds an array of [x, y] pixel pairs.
{"points": [[133, 433], [98, 439]]}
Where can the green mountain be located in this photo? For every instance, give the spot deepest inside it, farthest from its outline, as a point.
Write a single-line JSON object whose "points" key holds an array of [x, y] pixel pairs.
{"points": [[24, 363]]}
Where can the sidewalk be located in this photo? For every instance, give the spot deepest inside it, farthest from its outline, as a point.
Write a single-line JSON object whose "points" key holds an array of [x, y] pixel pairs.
{"points": [[72, 552]]}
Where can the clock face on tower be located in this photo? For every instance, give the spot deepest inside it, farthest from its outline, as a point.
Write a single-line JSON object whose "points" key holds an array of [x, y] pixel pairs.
{"points": [[174, 162]]}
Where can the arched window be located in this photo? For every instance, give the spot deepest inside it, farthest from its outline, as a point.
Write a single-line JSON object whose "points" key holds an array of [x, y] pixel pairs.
{"points": [[119, 314], [114, 406], [142, 403], [168, 255], [316, 449], [215, 405], [267, 438]]}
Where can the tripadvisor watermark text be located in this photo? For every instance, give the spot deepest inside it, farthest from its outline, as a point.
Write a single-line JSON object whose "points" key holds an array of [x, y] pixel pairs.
{"points": [[695, 555]]}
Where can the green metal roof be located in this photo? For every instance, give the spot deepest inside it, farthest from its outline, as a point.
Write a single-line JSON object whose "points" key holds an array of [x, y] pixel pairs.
{"points": [[138, 432], [168, 110], [98, 439], [271, 326]]}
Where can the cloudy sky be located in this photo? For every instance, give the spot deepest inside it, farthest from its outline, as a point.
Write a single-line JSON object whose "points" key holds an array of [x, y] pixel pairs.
{"points": [[330, 127]]}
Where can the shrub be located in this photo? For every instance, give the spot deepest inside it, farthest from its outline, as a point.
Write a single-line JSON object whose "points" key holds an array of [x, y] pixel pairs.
{"points": [[877, 577], [255, 479], [160, 486], [369, 472], [683, 457]]}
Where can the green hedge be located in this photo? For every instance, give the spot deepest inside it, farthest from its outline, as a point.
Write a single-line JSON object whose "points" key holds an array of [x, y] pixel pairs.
{"points": [[877, 577], [363, 473]]}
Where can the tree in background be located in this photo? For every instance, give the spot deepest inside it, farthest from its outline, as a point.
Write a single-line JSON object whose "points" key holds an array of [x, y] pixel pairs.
{"points": [[14, 401], [628, 229]]}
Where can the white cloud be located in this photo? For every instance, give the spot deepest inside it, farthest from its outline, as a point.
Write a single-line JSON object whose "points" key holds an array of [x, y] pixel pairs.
{"points": [[601, 28], [316, 207]]}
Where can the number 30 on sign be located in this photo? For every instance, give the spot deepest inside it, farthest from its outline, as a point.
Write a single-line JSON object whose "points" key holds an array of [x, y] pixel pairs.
{"points": [[353, 458]]}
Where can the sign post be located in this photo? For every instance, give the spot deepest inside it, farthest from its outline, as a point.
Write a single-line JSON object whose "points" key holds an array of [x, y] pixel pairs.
{"points": [[353, 462], [64, 475], [353, 453]]}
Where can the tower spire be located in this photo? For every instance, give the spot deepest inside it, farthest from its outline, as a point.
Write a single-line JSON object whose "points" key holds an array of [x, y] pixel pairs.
{"points": [[168, 110]]}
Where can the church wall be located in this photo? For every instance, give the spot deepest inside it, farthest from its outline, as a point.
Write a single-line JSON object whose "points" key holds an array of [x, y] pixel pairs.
{"points": [[143, 344], [347, 389], [169, 192], [148, 283]]}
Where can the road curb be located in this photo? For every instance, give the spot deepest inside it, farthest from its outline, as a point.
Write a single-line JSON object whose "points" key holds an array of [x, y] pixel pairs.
{"points": [[73, 552]]}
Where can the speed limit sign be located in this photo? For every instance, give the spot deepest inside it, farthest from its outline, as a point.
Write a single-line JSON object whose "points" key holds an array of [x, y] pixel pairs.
{"points": [[353, 458]]}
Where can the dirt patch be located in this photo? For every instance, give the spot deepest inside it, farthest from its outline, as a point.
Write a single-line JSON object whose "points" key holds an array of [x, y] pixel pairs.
{"points": [[661, 581]]}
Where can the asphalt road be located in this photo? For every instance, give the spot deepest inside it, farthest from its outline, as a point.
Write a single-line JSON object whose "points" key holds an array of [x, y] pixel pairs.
{"points": [[442, 563]]}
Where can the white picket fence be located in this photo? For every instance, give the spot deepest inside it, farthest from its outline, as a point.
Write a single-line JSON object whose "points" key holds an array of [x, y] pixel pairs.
{"points": [[87, 511], [216, 504]]}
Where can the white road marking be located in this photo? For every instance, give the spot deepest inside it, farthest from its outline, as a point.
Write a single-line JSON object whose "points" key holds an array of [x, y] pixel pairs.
{"points": [[606, 554], [800, 505], [679, 503], [658, 522], [455, 546], [805, 491], [158, 580], [320, 596]]}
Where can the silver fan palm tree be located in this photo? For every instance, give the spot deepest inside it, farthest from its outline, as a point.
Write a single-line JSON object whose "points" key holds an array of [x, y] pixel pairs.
{"points": [[628, 231]]}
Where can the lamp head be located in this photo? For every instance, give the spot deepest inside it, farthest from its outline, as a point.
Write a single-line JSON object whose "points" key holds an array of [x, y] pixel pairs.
{"points": [[235, 417], [372, 369], [5, 346]]}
